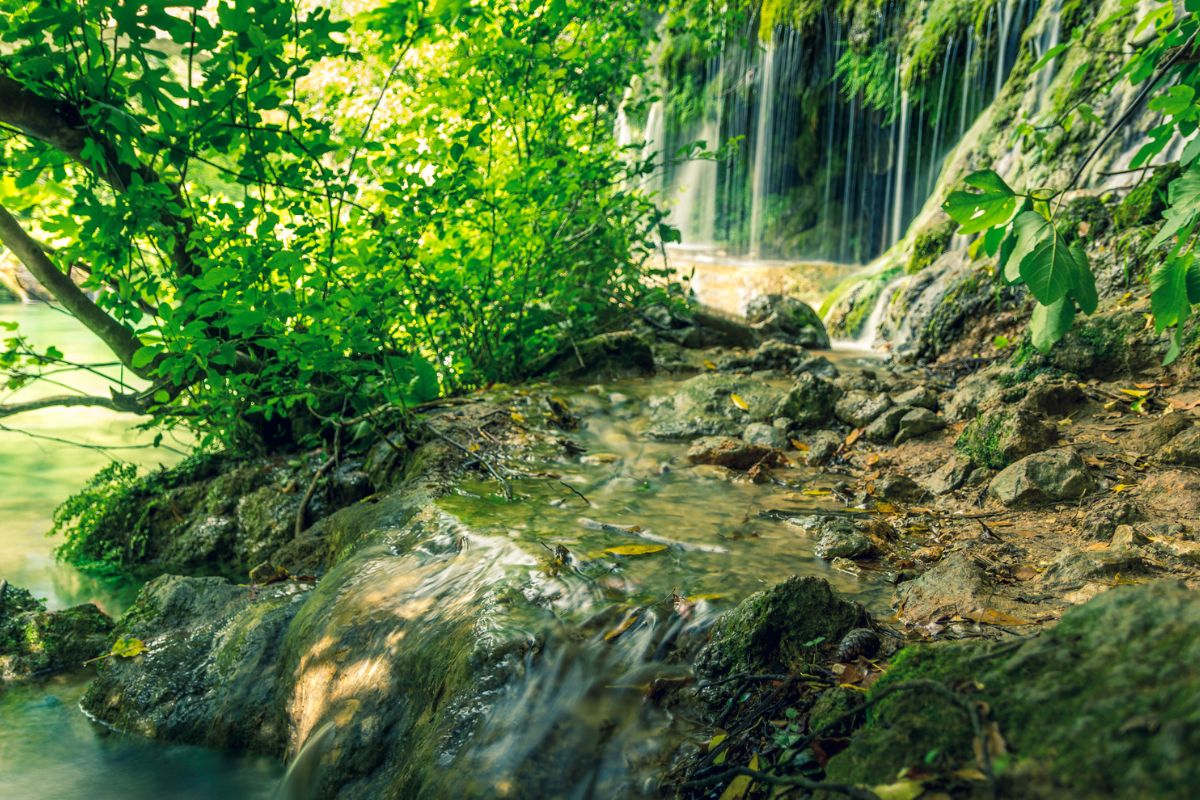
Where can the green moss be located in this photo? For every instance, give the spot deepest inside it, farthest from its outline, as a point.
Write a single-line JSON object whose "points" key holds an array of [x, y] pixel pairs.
{"points": [[1107, 704], [1145, 204], [930, 243], [980, 440]]}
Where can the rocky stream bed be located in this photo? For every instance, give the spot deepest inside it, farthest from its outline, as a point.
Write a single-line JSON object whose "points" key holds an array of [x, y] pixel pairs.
{"points": [[583, 587]]}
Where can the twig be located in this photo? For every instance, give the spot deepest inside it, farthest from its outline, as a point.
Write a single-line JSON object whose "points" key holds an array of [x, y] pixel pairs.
{"points": [[578, 493], [302, 511], [504, 487]]}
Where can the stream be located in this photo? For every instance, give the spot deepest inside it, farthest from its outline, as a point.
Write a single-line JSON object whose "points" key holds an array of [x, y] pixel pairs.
{"points": [[705, 540], [48, 749]]}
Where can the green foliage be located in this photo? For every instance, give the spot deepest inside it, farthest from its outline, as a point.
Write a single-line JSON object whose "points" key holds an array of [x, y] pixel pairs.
{"points": [[302, 216], [83, 517]]}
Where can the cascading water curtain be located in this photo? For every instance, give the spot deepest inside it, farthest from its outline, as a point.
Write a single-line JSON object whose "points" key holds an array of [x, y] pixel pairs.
{"points": [[838, 143]]}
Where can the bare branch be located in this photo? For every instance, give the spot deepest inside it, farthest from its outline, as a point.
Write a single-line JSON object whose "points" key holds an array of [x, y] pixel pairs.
{"points": [[60, 401], [119, 339]]}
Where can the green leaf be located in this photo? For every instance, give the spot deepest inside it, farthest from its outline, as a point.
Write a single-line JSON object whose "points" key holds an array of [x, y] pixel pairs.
{"points": [[1169, 292], [144, 356], [1048, 266], [1174, 101], [1051, 323], [993, 205], [127, 647]]}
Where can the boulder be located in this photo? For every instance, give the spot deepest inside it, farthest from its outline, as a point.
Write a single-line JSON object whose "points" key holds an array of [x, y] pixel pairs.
{"points": [[950, 476], [780, 627], [608, 356], [918, 397], [839, 536], [898, 488], [1001, 436], [759, 433], [1105, 704], [776, 355], [1182, 450], [810, 401], [36, 643], [917, 423], [1043, 478], [705, 406], [885, 427], [822, 447], [735, 454], [787, 319], [859, 409]]}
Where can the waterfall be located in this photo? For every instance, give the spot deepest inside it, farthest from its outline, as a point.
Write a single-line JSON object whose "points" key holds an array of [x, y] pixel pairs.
{"points": [[762, 146], [820, 172]]}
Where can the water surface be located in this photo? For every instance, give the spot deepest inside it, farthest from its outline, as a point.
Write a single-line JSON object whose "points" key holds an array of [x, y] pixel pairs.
{"points": [[48, 749]]}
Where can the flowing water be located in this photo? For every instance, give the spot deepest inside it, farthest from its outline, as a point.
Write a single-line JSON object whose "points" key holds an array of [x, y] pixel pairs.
{"points": [[48, 749]]}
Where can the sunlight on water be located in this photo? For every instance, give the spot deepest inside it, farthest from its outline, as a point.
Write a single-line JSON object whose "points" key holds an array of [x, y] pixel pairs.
{"points": [[48, 749]]}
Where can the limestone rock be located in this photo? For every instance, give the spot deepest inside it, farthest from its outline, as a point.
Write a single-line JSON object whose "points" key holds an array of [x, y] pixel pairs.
{"points": [[918, 397], [859, 409], [1043, 478], [917, 423], [787, 319], [950, 475], [734, 454], [704, 406], [885, 427], [758, 433], [35, 643], [810, 401], [1182, 450]]}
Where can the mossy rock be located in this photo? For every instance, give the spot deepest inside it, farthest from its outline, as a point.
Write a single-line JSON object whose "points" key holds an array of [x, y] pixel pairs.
{"points": [[930, 243], [1106, 704], [620, 354], [1145, 204], [779, 628], [999, 437], [35, 643]]}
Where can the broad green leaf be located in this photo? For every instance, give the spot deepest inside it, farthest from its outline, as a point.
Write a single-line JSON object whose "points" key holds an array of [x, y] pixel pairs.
{"points": [[127, 647], [1048, 266], [1051, 323], [1169, 292], [1173, 101], [993, 205], [1084, 287]]}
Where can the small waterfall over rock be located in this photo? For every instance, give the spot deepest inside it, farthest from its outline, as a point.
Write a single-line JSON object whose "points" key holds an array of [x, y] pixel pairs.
{"points": [[839, 124]]}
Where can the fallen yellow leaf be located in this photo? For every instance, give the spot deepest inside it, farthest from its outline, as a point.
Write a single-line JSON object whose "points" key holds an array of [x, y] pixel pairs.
{"points": [[1139, 393], [799, 445], [1122, 487], [900, 790], [624, 626], [708, 364], [635, 549], [739, 402]]}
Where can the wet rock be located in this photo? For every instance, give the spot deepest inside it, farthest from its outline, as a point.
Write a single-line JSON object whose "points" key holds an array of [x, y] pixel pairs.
{"points": [[951, 476], [1002, 436], [787, 319], [932, 308], [734, 454], [1043, 478], [1105, 516], [810, 401], [1183, 449], [704, 406], [822, 447], [777, 628], [35, 643], [608, 356], [885, 427], [1105, 704], [843, 537], [917, 423], [759, 433], [208, 673], [918, 397], [776, 355], [860, 409]]}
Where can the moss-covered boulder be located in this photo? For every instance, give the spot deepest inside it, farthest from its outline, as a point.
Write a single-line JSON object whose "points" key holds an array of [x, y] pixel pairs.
{"points": [[787, 319], [1000, 436], [706, 406], [1106, 704], [35, 643], [779, 628]]}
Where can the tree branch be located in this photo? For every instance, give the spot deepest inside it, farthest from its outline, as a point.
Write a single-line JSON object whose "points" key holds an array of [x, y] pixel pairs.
{"points": [[119, 339], [60, 401]]}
